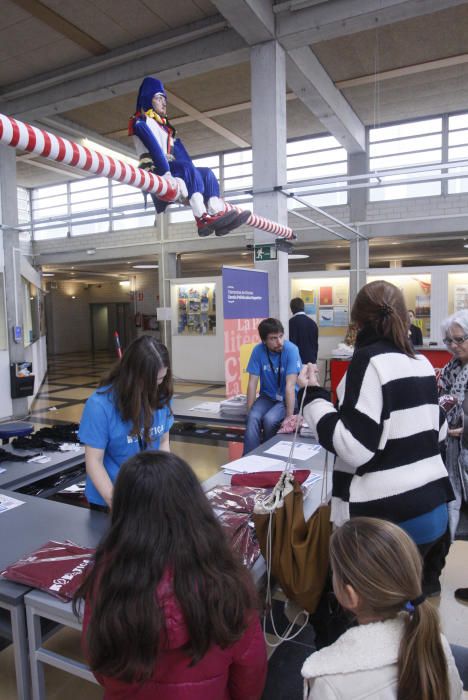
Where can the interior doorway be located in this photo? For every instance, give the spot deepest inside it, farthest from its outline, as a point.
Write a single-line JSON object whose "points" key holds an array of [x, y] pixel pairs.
{"points": [[108, 318]]}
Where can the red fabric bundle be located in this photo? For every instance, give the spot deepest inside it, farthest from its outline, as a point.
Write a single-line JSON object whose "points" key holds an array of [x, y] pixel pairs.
{"points": [[241, 533], [57, 568], [237, 499], [266, 479]]}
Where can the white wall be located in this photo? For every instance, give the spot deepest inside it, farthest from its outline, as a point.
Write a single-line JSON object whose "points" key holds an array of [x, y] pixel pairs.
{"points": [[198, 358]]}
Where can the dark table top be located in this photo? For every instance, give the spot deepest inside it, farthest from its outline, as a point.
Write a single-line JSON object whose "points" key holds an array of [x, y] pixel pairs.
{"points": [[27, 527]]}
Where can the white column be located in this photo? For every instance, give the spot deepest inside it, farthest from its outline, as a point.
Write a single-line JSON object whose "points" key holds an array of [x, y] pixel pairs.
{"points": [[269, 161], [12, 261], [359, 264]]}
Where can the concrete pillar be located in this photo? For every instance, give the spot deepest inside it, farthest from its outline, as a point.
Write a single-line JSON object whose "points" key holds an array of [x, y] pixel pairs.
{"points": [[168, 269], [357, 198], [268, 71], [359, 264], [12, 258]]}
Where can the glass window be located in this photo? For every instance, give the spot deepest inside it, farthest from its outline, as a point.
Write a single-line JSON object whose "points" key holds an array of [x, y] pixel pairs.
{"points": [[88, 227], [45, 233], [402, 145], [458, 150], [126, 222], [207, 162]]}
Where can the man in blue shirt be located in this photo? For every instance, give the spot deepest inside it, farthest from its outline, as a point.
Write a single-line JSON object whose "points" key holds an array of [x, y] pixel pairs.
{"points": [[276, 362]]}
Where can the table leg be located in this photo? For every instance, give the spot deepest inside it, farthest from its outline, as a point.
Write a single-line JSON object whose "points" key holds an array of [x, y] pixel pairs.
{"points": [[35, 643], [20, 652]]}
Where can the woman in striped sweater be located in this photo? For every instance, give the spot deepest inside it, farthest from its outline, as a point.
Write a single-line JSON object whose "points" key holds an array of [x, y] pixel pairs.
{"points": [[386, 430]]}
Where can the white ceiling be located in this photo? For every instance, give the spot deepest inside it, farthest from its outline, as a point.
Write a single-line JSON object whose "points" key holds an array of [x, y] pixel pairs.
{"points": [[74, 67], [82, 61]]}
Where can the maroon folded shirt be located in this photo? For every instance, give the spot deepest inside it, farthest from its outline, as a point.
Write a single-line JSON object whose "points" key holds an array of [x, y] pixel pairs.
{"points": [[57, 568], [237, 499], [266, 479]]}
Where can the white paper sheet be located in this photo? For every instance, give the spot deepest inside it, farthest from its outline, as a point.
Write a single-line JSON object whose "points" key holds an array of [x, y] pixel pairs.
{"points": [[302, 450], [207, 406], [254, 463], [7, 503]]}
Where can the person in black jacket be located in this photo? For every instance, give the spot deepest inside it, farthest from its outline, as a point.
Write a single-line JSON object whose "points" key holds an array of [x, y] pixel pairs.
{"points": [[415, 332], [303, 332]]}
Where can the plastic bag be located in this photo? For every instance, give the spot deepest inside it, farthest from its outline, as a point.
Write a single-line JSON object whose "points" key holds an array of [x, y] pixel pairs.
{"points": [[237, 499], [241, 533], [57, 568]]}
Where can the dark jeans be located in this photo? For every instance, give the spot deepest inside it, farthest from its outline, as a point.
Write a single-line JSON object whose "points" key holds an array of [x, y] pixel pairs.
{"points": [[434, 555]]}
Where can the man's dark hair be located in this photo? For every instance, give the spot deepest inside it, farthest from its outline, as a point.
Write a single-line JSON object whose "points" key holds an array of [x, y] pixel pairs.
{"points": [[269, 325], [296, 305]]}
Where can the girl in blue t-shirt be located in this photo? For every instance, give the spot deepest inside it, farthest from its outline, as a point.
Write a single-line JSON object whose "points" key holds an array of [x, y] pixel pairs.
{"points": [[129, 412]]}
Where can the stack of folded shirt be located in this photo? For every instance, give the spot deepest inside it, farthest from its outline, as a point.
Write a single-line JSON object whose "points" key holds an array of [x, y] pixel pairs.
{"points": [[236, 406]]}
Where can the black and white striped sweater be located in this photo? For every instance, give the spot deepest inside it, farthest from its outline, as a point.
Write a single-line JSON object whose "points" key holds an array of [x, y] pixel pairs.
{"points": [[385, 434]]}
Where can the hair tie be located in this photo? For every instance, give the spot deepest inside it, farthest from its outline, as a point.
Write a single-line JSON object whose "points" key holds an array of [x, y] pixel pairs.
{"points": [[385, 310], [412, 604]]}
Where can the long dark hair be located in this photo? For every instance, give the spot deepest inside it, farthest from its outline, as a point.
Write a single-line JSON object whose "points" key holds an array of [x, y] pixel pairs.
{"points": [[161, 523], [134, 383], [381, 306], [383, 565]]}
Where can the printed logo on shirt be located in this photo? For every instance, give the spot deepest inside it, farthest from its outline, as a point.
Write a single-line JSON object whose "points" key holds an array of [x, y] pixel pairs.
{"points": [[155, 430]]}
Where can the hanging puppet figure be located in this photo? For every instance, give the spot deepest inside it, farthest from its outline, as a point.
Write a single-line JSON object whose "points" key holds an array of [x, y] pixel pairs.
{"points": [[162, 153]]}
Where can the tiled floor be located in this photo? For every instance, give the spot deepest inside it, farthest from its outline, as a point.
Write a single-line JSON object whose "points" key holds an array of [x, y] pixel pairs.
{"points": [[70, 380]]}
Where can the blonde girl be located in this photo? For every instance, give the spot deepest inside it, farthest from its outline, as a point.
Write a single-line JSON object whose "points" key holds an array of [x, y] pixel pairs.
{"points": [[396, 651]]}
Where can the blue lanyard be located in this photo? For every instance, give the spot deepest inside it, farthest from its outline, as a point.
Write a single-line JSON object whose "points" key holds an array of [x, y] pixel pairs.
{"points": [[272, 367]]}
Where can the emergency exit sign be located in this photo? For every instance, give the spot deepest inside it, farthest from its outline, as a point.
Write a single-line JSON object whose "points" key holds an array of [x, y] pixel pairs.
{"points": [[265, 252]]}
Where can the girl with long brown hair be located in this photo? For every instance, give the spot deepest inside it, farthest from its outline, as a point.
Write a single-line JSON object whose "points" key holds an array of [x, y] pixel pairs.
{"points": [[396, 652], [130, 412], [170, 610]]}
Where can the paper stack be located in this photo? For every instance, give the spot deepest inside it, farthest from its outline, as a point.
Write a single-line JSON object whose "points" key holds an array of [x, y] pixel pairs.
{"points": [[234, 407], [252, 464]]}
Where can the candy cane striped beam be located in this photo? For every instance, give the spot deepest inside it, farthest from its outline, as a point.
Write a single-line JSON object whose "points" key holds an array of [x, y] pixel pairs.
{"points": [[33, 140]]}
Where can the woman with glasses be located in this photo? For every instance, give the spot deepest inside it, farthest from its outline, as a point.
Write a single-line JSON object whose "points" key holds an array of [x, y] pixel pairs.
{"points": [[453, 390]]}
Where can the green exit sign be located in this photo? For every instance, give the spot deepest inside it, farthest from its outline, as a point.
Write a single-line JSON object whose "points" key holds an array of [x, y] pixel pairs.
{"points": [[265, 252]]}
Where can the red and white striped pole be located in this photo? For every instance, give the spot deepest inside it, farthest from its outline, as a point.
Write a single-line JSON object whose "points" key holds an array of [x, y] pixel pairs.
{"points": [[33, 140]]}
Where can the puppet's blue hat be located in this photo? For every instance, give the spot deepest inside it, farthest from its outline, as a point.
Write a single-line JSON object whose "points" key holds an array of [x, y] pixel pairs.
{"points": [[148, 88]]}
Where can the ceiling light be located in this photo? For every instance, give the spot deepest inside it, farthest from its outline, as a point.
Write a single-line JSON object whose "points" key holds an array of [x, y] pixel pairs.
{"points": [[91, 251], [73, 297], [298, 256], [395, 242], [145, 267], [465, 245], [124, 283], [47, 274]]}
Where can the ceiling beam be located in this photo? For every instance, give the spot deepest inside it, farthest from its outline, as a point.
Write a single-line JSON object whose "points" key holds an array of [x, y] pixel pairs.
{"points": [[337, 18], [314, 87], [67, 128], [255, 22], [62, 26], [218, 112], [109, 78], [206, 121], [402, 72], [253, 19]]}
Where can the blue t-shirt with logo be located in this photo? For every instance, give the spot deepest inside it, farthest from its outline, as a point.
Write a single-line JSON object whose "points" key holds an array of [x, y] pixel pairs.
{"points": [[259, 364], [102, 427]]}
